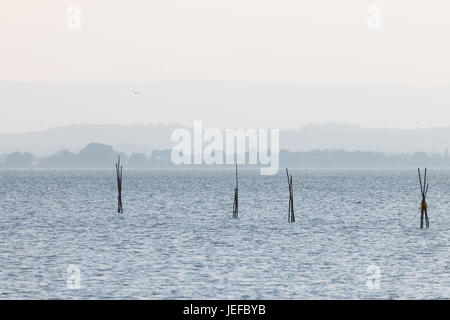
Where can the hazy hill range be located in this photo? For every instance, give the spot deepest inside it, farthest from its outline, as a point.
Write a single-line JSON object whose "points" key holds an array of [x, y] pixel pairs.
{"points": [[354, 138], [147, 138], [243, 105], [130, 139]]}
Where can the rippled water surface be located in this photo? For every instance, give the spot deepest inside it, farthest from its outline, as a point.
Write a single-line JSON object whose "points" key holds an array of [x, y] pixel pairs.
{"points": [[176, 238]]}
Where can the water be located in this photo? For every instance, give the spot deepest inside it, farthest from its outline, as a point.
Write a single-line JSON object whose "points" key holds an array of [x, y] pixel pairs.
{"points": [[176, 240]]}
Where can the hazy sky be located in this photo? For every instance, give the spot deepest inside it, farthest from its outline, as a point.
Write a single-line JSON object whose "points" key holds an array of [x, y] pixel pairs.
{"points": [[287, 41]]}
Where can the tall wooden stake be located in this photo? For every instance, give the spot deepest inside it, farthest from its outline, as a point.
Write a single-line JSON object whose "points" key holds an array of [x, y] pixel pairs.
{"points": [[119, 185], [235, 204], [291, 216], [423, 204]]}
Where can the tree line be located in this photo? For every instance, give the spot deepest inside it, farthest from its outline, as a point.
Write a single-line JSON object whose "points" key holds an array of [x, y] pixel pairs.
{"points": [[97, 155]]}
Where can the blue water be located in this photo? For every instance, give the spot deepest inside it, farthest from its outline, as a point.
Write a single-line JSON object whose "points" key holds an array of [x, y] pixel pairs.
{"points": [[176, 238]]}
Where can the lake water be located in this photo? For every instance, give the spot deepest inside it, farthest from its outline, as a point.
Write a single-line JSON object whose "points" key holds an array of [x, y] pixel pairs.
{"points": [[176, 238]]}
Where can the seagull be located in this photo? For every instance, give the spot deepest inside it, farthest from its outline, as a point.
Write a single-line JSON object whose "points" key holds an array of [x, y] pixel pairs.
{"points": [[136, 92]]}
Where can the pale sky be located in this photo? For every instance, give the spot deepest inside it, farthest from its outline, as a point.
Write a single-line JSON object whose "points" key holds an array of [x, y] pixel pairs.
{"points": [[271, 41]]}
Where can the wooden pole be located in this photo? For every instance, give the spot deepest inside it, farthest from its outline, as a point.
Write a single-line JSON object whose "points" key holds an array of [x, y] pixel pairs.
{"points": [[423, 205], [292, 201], [289, 185], [427, 222], [119, 185], [235, 204], [291, 216]]}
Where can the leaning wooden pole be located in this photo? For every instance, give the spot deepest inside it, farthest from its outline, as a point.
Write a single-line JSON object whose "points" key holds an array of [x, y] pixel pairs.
{"points": [[235, 204], [292, 201], [291, 215], [423, 205], [119, 185]]}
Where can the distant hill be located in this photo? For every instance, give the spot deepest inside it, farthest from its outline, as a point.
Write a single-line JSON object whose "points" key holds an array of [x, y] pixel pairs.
{"points": [[136, 138], [354, 138], [225, 104], [147, 138]]}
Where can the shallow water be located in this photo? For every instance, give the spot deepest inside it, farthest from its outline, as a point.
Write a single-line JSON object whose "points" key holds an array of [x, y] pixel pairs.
{"points": [[176, 238]]}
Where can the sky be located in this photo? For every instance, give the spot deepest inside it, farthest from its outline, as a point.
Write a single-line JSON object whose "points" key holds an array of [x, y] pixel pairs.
{"points": [[352, 42]]}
